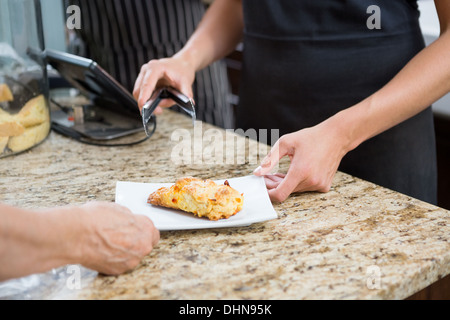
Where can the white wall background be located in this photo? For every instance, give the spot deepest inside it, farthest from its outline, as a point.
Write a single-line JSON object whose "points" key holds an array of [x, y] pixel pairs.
{"points": [[430, 26], [53, 17], [429, 21]]}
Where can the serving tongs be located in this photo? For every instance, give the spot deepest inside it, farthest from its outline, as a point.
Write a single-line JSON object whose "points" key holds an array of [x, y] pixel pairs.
{"points": [[180, 99]]}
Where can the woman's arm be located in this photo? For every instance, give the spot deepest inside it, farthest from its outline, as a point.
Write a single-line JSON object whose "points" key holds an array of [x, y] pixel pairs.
{"points": [[423, 81], [218, 34], [316, 152]]}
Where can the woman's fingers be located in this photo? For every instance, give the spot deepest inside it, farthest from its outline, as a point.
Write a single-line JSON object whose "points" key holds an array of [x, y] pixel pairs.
{"points": [[279, 150], [315, 157], [280, 186], [148, 86], [138, 84], [289, 183], [272, 181], [161, 73]]}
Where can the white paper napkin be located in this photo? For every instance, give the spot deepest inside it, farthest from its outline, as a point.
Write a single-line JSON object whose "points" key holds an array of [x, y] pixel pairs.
{"points": [[257, 205]]}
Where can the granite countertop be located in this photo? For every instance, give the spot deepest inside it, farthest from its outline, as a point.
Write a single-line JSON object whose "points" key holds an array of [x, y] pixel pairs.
{"points": [[359, 241]]}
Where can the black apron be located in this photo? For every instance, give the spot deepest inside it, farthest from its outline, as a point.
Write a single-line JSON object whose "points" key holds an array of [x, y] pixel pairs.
{"points": [[306, 60]]}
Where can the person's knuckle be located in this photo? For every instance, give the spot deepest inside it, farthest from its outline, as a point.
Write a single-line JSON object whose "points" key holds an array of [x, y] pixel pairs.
{"points": [[314, 181], [142, 99], [280, 196], [111, 270], [152, 63], [147, 77], [156, 236], [132, 263], [283, 140], [325, 186]]}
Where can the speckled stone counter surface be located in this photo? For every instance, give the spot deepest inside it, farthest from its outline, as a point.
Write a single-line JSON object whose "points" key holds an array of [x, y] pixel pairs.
{"points": [[359, 241]]}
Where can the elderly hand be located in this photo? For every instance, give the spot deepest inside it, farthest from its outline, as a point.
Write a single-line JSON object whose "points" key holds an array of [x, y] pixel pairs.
{"points": [[315, 155], [105, 237], [112, 239]]}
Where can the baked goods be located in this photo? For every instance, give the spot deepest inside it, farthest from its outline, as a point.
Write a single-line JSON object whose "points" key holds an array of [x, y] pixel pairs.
{"points": [[9, 127], [5, 93], [203, 198], [27, 128], [3, 143], [34, 112], [29, 138]]}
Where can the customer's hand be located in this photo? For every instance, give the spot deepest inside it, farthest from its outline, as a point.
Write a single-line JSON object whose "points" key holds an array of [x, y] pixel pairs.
{"points": [[175, 72], [112, 239], [315, 155]]}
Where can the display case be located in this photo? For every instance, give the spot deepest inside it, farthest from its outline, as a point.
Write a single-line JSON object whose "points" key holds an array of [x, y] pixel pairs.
{"points": [[24, 106]]}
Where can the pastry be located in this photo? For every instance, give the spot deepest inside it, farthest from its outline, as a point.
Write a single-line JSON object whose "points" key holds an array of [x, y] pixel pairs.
{"points": [[35, 112], [5, 93], [9, 126], [203, 198], [30, 137], [3, 143], [27, 128]]}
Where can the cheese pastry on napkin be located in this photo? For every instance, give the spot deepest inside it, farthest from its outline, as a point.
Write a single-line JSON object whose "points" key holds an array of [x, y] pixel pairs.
{"points": [[203, 198]]}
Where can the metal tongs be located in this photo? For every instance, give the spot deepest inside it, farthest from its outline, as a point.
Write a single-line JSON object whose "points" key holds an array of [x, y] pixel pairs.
{"points": [[180, 99]]}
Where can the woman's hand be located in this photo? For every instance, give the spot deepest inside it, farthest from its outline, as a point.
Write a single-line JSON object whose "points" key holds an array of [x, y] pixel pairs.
{"points": [[217, 35], [315, 155], [175, 72]]}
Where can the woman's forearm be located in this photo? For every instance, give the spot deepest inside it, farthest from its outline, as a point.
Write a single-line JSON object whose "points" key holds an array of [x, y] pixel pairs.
{"points": [[317, 152], [424, 80], [218, 34]]}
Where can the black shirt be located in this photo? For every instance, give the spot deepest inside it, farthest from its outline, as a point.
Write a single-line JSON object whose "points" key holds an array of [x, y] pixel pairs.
{"points": [[306, 60]]}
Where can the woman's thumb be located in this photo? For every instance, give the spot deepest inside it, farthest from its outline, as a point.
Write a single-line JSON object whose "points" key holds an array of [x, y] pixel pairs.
{"points": [[269, 162]]}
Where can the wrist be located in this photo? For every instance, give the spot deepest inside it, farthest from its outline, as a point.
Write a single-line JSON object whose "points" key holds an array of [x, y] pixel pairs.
{"points": [[65, 241], [342, 132], [78, 235], [190, 57], [351, 127]]}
